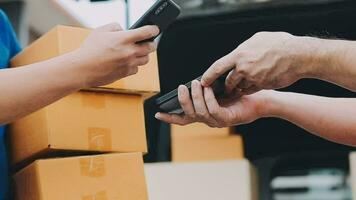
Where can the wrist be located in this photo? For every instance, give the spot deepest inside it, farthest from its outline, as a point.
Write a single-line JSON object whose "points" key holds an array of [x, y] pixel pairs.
{"points": [[270, 105], [308, 56], [73, 74], [317, 54], [267, 106]]}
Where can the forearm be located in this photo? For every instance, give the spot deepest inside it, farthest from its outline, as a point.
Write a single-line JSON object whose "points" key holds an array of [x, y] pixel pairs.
{"points": [[29, 88], [331, 118], [330, 60]]}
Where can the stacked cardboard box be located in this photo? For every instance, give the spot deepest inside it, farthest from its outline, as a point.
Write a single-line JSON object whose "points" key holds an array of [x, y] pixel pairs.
{"points": [[108, 119], [198, 142]]}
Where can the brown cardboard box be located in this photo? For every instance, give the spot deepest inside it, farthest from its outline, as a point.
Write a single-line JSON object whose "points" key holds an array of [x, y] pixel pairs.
{"points": [[186, 149], [198, 130], [103, 177], [82, 121], [225, 180], [63, 39]]}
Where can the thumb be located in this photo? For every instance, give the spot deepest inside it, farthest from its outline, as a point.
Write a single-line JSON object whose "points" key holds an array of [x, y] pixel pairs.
{"points": [[112, 27]]}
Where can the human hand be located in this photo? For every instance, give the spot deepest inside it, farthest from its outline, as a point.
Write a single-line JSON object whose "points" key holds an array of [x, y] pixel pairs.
{"points": [[204, 107], [268, 60], [109, 53]]}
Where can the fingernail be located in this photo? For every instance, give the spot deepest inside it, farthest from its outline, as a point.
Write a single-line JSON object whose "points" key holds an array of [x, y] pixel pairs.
{"points": [[196, 82], [157, 116], [180, 88]]}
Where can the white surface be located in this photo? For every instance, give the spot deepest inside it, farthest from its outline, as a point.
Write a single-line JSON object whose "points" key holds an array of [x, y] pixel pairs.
{"points": [[94, 14], [43, 15], [226, 180], [353, 173], [313, 181], [137, 8]]}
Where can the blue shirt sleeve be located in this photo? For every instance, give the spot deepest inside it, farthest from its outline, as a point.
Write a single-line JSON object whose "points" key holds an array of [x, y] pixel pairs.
{"points": [[9, 47], [8, 36]]}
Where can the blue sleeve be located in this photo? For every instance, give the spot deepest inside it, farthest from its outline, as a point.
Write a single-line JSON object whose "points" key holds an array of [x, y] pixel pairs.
{"points": [[9, 34]]}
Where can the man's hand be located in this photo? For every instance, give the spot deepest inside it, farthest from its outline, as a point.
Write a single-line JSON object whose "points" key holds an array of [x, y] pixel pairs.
{"points": [[268, 60], [112, 54], [204, 107]]}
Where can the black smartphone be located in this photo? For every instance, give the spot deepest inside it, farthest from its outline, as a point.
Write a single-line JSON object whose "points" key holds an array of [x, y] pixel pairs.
{"points": [[169, 102], [162, 13]]}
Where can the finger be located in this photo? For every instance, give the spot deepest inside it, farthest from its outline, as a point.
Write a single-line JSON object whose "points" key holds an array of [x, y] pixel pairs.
{"points": [[244, 84], [212, 104], [251, 90], [173, 119], [141, 34], [198, 101], [185, 101], [145, 48], [112, 27], [232, 80], [139, 61], [217, 69]]}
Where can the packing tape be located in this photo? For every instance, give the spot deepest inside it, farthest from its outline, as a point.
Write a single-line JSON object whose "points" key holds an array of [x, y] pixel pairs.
{"points": [[93, 166], [99, 139], [98, 196], [93, 100]]}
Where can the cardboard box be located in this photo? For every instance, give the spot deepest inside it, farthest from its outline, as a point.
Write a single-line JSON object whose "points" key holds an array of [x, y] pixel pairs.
{"points": [[63, 39], [198, 130], [187, 149], [227, 180], [103, 177], [353, 173], [83, 121]]}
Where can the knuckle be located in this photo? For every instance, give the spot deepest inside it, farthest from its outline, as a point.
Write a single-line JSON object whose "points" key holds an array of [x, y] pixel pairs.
{"points": [[217, 68], [182, 101], [147, 33], [195, 95], [200, 114], [203, 115], [191, 115], [208, 98], [134, 70], [243, 69], [231, 80], [214, 112], [151, 47], [129, 53], [144, 61]]}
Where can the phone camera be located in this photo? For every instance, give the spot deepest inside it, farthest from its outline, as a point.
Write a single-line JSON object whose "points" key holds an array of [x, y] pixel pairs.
{"points": [[161, 8]]}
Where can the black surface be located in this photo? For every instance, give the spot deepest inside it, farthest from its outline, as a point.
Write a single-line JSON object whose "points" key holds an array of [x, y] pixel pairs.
{"points": [[169, 102], [194, 42]]}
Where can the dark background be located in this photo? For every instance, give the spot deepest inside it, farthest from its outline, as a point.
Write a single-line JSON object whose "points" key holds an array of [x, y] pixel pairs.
{"points": [[202, 35]]}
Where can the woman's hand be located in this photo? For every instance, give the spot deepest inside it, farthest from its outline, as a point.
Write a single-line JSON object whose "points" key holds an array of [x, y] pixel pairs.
{"points": [[111, 53]]}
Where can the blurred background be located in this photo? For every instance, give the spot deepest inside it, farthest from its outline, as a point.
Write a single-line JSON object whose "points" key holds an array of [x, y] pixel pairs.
{"points": [[291, 163]]}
